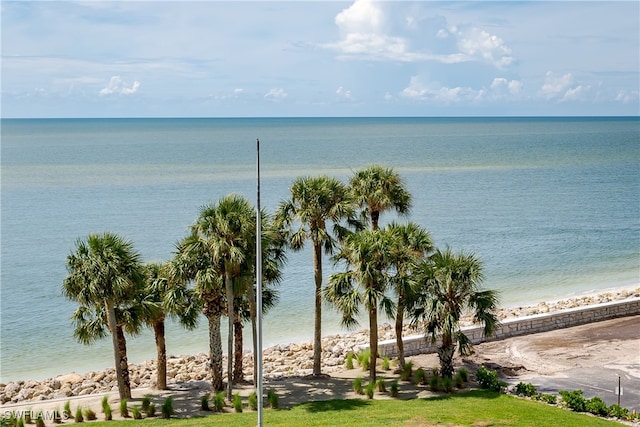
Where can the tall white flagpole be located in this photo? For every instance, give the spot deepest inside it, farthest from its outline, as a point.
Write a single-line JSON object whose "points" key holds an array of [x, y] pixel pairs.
{"points": [[258, 366]]}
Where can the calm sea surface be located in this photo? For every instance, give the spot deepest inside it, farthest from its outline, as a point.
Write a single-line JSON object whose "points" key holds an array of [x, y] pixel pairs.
{"points": [[551, 205]]}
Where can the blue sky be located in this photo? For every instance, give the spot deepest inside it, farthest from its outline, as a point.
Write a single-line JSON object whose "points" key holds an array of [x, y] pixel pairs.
{"points": [[329, 58]]}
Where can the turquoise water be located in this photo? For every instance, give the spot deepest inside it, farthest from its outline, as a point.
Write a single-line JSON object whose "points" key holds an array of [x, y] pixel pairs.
{"points": [[551, 205]]}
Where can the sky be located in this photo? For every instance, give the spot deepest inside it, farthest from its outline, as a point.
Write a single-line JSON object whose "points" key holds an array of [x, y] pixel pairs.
{"points": [[319, 58]]}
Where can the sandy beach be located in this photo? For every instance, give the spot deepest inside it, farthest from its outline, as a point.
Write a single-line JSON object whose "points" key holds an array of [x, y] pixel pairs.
{"points": [[588, 357]]}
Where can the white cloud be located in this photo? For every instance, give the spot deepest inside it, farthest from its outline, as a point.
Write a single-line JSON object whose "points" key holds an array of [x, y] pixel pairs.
{"points": [[417, 90], [344, 93], [627, 97], [578, 93], [479, 44], [276, 94], [363, 16], [117, 86], [499, 84]]}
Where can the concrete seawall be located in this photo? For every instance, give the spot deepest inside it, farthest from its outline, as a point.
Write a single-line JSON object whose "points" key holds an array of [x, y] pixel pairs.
{"points": [[418, 344]]}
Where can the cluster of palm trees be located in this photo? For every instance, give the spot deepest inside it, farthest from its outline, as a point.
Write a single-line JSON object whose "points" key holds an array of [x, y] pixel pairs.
{"points": [[395, 269]]}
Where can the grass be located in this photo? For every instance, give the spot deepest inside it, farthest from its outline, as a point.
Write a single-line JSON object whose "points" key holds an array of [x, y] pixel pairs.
{"points": [[471, 408]]}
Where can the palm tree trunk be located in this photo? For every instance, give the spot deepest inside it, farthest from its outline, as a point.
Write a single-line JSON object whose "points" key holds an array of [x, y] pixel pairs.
{"points": [[215, 347], [229, 288], [113, 327], [124, 365], [317, 330], [375, 218], [238, 375], [161, 350], [373, 341], [445, 354], [399, 324]]}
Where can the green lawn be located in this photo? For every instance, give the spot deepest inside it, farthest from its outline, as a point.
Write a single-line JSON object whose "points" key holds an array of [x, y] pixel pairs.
{"points": [[477, 408]]}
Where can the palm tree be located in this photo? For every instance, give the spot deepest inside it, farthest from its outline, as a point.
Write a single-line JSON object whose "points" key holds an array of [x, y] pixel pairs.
{"points": [[193, 262], [315, 203], [174, 300], [228, 231], [450, 285], [378, 189], [104, 274], [367, 255], [410, 244]]}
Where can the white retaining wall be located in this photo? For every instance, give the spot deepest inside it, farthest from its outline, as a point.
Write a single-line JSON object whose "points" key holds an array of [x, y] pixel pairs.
{"points": [[418, 344]]}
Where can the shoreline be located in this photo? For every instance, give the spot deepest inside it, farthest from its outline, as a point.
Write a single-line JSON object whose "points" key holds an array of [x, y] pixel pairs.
{"points": [[280, 361]]}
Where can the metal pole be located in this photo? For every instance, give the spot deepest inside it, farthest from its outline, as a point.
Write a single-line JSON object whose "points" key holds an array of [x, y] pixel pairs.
{"points": [[258, 366], [619, 389]]}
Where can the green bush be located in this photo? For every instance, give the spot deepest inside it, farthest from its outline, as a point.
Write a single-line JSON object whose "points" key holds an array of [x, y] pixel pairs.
{"points": [[204, 402], [124, 410], [57, 417], [27, 417], [420, 376], [90, 415], [488, 379], [39, 420], [597, 406], [151, 410], [527, 390], [393, 388], [618, 411], [357, 386], [370, 389], [447, 384], [67, 409], [218, 402], [574, 400], [364, 359], [407, 371], [272, 398], [135, 411], [349, 363], [463, 374], [104, 402], [146, 402], [381, 385], [435, 383], [78, 417], [20, 422], [167, 408], [551, 399], [253, 401], [386, 363], [237, 403], [108, 415]]}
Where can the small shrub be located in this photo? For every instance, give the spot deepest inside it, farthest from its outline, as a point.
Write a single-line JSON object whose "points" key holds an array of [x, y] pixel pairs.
{"points": [[527, 390], [57, 417], [349, 363], [124, 410], [463, 374], [253, 401], [381, 385], [357, 385], [447, 384], [146, 402], [27, 417], [108, 416], [135, 411], [272, 397], [489, 379], [167, 408], [78, 417], [39, 420], [364, 359], [551, 399], [459, 380], [393, 388], [420, 376], [386, 363], [618, 411], [90, 415], [237, 403], [574, 400], [370, 389], [151, 410], [407, 371], [20, 422], [204, 402], [67, 409], [104, 402], [435, 383], [218, 402], [597, 406]]}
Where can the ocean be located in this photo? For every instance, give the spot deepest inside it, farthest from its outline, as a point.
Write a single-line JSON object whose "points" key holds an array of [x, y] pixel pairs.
{"points": [[551, 206]]}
